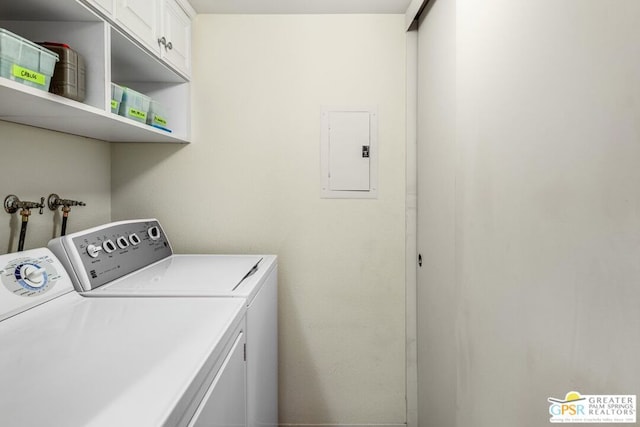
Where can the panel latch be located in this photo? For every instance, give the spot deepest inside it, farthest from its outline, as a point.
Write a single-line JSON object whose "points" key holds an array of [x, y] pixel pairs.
{"points": [[365, 151]]}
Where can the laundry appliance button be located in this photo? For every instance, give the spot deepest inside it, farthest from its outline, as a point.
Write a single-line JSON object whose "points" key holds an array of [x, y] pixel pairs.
{"points": [[108, 246], [123, 242], [93, 251], [154, 232]]}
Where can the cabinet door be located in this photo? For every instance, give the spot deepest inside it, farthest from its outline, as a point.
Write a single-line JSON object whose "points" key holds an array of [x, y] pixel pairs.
{"points": [[262, 357], [140, 18], [225, 402], [177, 31], [104, 6]]}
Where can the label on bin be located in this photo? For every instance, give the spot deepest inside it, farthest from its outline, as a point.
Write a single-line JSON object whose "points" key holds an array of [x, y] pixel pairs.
{"points": [[159, 120], [30, 75], [137, 114], [114, 104]]}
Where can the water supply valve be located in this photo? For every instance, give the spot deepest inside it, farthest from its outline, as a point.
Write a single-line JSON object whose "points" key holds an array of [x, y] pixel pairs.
{"points": [[53, 201], [12, 203]]}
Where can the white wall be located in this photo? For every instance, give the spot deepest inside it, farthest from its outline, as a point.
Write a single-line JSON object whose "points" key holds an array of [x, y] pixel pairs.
{"points": [[547, 241], [35, 163], [250, 182]]}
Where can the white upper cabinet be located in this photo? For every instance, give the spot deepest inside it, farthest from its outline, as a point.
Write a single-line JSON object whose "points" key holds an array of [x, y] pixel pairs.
{"points": [[162, 26], [141, 19], [104, 6], [175, 39]]}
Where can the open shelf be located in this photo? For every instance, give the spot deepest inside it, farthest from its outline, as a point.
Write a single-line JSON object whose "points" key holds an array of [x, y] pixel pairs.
{"points": [[45, 10], [110, 54], [41, 109]]}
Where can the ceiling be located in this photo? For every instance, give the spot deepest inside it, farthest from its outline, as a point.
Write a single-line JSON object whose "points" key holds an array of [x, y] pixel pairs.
{"points": [[299, 6]]}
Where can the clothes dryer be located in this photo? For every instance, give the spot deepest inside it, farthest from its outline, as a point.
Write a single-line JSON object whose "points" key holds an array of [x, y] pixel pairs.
{"points": [[132, 259]]}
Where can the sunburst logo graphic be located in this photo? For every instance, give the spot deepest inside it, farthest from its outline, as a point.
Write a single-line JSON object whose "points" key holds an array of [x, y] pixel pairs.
{"points": [[572, 396], [569, 406]]}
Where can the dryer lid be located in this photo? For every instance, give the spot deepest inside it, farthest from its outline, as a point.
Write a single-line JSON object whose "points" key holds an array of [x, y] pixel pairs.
{"points": [[182, 275]]}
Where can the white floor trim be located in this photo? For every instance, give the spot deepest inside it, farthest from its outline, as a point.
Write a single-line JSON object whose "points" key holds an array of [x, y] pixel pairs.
{"points": [[343, 425]]}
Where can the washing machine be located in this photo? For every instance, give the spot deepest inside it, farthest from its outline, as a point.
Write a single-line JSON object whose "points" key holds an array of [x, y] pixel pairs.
{"points": [[72, 361], [133, 259]]}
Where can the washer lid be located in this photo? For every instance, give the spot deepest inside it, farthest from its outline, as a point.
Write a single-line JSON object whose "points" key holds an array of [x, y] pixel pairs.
{"points": [[194, 275], [96, 362]]}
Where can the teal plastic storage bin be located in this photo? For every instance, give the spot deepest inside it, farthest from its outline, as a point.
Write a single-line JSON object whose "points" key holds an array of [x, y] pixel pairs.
{"points": [[134, 105], [157, 115], [26, 62], [116, 97]]}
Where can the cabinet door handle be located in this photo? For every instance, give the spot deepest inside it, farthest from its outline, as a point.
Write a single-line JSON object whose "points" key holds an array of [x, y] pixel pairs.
{"points": [[169, 46], [162, 41]]}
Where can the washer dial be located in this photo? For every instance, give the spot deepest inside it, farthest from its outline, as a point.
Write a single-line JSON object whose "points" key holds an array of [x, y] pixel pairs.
{"points": [[33, 275], [29, 276]]}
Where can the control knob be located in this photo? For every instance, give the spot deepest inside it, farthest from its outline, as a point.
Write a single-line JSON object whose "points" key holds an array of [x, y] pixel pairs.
{"points": [[154, 232], [108, 246], [134, 239], [93, 250], [28, 276], [33, 275], [122, 242]]}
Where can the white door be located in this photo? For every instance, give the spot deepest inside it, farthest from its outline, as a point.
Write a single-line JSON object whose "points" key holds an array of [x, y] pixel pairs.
{"points": [[348, 135], [436, 215]]}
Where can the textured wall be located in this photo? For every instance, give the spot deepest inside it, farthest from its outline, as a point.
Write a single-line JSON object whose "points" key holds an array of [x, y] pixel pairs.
{"points": [[250, 182], [546, 241], [35, 163]]}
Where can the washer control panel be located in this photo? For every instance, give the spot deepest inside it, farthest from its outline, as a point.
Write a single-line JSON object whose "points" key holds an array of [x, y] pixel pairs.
{"points": [[30, 278], [103, 254]]}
